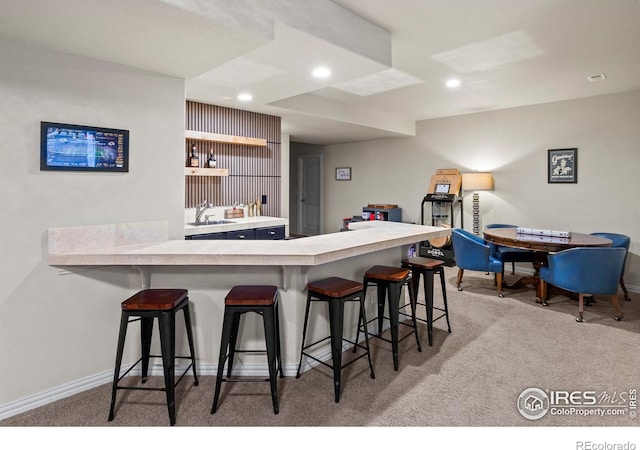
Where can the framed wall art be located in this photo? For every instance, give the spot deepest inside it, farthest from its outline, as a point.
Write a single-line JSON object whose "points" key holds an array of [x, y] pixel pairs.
{"points": [[562, 165], [343, 173]]}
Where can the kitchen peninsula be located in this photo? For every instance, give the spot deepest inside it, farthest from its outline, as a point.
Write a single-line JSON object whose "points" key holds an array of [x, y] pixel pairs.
{"points": [[208, 269]]}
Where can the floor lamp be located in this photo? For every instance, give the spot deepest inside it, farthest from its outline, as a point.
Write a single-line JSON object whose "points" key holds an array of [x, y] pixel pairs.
{"points": [[477, 181]]}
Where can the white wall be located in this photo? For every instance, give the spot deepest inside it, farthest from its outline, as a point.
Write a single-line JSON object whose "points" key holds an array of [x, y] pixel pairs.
{"points": [[513, 144], [55, 326]]}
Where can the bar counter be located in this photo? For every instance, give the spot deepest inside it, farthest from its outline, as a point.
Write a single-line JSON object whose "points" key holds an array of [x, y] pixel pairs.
{"points": [[208, 269], [146, 243]]}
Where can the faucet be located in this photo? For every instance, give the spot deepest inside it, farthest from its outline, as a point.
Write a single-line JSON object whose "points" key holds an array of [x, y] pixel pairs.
{"points": [[200, 209]]}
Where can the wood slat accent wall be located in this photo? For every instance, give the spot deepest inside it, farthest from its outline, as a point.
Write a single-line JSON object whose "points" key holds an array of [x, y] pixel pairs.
{"points": [[253, 171]]}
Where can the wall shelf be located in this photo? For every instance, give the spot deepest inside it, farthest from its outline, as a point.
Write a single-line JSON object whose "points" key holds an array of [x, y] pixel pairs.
{"points": [[225, 138], [204, 171]]}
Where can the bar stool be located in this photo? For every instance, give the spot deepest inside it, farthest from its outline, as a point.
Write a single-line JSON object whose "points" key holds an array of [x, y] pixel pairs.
{"points": [[144, 306], [427, 267], [389, 282], [262, 300], [336, 292]]}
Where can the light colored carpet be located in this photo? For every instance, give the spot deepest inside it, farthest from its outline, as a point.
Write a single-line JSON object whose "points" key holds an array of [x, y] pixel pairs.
{"points": [[471, 377]]}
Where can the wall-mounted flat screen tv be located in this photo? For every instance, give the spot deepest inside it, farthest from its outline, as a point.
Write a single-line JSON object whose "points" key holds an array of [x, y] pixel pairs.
{"points": [[82, 147]]}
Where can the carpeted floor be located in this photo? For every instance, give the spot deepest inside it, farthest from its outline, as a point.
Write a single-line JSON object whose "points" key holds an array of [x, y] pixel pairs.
{"points": [[471, 377]]}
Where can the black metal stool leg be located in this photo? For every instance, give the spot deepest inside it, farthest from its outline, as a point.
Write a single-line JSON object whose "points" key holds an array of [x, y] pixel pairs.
{"points": [[336, 322], [444, 298], [363, 318], [304, 333], [227, 325], [146, 332], [278, 348], [428, 296], [381, 289], [124, 321], [167, 342], [187, 324], [413, 301], [394, 319], [270, 328], [232, 342]]}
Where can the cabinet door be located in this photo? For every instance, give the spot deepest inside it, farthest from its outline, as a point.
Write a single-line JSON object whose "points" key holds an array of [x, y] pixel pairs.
{"points": [[241, 234], [270, 233], [207, 236]]}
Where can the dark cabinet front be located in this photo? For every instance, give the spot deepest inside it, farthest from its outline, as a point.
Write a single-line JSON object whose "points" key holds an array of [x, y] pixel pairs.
{"points": [[207, 236], [265, 234], [270, 233], [242, 234]]}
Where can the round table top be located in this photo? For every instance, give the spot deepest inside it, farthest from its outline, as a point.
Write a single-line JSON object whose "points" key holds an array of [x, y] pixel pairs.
{"points": [[509, 237]]}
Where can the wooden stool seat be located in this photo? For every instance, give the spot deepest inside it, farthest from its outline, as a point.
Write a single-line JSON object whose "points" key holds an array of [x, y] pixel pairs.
{"points": [[155, 300], [428, 267], [422, 263], [335, 292], [145, 306], [387, 273], [251, 296], [334, 287]]}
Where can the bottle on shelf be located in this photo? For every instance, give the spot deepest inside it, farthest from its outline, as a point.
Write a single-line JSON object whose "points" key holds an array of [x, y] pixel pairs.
{"points": [[193, 159], [211, 163]]}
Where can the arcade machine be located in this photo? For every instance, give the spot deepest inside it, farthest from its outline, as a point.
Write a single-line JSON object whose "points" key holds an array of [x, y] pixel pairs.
{"points": [[445, 204]]}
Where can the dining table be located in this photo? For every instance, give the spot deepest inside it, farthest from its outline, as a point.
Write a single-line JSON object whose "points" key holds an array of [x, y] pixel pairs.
{"points": [[541, 246]]}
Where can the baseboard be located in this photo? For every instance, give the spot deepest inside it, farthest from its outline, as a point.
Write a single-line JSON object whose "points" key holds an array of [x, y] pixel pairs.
{"points": [[67, 390], [55, 394]]}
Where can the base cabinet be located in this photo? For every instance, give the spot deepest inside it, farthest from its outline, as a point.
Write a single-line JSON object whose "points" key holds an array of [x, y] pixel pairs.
{"points": [[207, 237], [267, 233], [242, 234], [270, 233]]}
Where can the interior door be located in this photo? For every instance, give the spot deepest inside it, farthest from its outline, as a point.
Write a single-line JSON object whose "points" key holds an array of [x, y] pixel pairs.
{"points": [[310, 194]]}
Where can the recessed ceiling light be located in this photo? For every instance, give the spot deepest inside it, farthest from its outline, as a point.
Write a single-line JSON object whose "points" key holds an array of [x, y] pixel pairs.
{"points": [[453, 83], [321, 72], [245, 97]]}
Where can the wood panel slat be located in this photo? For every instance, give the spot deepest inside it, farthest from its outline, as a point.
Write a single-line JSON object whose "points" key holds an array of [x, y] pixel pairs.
{"points": [[253, 170]]}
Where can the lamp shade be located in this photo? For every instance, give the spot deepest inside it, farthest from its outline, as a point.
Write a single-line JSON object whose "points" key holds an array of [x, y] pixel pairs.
{"points": [[477, 181]]}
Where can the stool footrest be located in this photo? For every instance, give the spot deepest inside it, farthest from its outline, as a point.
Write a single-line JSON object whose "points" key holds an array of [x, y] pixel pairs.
{"points": [[244, 380], [379, 336], [142, 388], [354, 359]]}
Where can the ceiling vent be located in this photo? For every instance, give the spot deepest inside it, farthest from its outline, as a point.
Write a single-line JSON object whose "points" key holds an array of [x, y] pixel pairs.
{"points": [[598, 77]]}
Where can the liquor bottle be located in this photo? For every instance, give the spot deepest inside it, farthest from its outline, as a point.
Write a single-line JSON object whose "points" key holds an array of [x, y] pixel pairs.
{"points": [[193, 159], [212, 161]]}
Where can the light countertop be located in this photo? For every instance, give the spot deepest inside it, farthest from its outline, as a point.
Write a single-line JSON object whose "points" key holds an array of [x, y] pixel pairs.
{"points": [[146, 244]]}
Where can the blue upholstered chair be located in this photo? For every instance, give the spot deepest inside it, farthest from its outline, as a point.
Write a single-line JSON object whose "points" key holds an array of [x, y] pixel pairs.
{"points": [[586, 270], [509, 254], [619, 241], [471, 252]]}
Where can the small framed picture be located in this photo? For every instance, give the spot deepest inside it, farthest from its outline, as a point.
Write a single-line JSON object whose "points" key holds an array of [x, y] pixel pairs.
{"points": [[562, 165], [343, 173]]}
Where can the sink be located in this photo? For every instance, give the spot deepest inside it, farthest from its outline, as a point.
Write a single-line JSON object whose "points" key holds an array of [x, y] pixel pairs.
{"points": [[211, 222]]}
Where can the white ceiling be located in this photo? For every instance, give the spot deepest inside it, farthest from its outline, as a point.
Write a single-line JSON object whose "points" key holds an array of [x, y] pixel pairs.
{"points": [[389, 58]]}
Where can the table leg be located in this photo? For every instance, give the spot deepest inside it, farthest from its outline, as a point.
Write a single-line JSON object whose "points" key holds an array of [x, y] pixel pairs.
{"points": [[539, 260]]}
